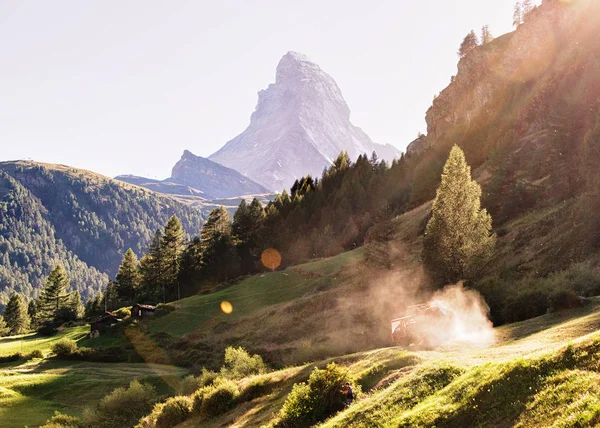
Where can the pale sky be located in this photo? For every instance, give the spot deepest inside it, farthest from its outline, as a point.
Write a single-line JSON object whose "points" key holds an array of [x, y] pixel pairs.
{"points": [[125, 86]]}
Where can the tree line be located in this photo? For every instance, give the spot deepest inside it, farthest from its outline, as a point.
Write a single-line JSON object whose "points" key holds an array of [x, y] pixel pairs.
{"points": [[55, 305]]}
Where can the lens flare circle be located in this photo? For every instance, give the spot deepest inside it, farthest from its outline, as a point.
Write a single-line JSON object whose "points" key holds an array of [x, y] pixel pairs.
{"points": [[226, 307], [270, 258]]}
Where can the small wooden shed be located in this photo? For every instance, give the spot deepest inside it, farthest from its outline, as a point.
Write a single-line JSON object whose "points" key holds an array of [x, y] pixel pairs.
{"points": [[142, 311], [104, 322]]}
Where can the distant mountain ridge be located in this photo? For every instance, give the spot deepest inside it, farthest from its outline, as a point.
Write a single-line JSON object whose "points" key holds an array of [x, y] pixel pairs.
{"points": [[197, 176], [300, 125], [52, 214]]}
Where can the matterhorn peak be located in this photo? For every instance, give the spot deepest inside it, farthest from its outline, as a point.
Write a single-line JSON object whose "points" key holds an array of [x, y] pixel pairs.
{"points": [[300, 125]]}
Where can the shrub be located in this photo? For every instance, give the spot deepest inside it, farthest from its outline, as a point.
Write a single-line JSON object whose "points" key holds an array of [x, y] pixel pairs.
{"points": [[190, 384], [36, 354], [60, 420], [239, 364], [313, 402], [168, 414], [123, 407], [64, 348], [524, 305], [123, 312], [10, 358], [215, 399], [257, 387], [564, 299]]}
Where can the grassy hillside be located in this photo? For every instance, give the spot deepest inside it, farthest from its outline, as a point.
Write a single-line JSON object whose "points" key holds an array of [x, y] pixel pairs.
{"points": [[30, 392], [541, 372]]}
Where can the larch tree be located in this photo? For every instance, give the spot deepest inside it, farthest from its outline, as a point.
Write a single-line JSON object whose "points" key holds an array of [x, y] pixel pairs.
{"points": [[469, 43], [54, 295], [4, 330], [151, 270], [247, 222], [172, 246], [15, 315], [219, 256], [486, 35], [128, 277], [517, 15], [458, 242]]}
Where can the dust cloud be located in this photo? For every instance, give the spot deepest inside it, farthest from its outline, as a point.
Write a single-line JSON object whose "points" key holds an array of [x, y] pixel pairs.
{"points": [[464, 319]]}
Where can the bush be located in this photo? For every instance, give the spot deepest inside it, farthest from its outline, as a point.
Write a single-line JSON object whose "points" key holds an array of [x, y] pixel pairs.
{"points": [[215, 399], [60, 420], [123, 312], [239, 364], [11, 358], [190, 384], [313, 402], [64, 348], [36, 354], [524, 305], [564, 299], [123, 407], [257, 387], [168, 414]]}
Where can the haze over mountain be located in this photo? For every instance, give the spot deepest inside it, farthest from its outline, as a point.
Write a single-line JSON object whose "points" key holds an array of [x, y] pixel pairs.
{"points": [[300, 125], [198, 176]]}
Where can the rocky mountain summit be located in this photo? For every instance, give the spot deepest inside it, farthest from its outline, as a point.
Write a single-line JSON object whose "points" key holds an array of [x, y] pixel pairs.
{"points": [[300, 125]]}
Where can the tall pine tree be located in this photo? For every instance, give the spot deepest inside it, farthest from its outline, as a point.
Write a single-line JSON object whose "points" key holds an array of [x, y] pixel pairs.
{"points": [[457, 241], [54, 295], [151, 266], [219, 256], [469, 43], [128, 277], [247, 222], [15, 315], [171, 249]]}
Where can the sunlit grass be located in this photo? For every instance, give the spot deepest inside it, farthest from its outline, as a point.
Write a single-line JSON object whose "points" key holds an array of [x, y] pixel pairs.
{"points": [[31, 392], [30, 342]]}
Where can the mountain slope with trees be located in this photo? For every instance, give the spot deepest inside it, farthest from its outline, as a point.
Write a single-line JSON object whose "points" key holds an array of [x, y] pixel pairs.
{"points": [[51, 215]]}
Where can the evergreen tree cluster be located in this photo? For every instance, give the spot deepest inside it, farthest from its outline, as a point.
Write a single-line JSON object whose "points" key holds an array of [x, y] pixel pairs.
{"points": [[52, 215], [55, 305]]}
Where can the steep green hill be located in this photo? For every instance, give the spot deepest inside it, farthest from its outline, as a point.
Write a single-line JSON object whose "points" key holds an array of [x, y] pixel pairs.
{"points": [[53, 214]]}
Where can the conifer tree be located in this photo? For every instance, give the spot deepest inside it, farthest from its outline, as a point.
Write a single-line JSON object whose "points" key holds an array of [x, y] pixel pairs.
{"points": [[517, 15], [457, 242], [470, 42], [128, 277], [15, 315], [171, 249], [247, 222], [4, 330], [219, 257], [150, 267], [54, 296], [32, 311], [486, 36], [76, 306]]}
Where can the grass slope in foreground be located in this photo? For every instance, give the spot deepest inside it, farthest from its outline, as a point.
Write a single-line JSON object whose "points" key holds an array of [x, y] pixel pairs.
{"points": [[541, 372]]}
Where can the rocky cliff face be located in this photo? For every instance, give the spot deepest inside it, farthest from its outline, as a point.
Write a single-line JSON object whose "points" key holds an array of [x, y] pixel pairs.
{"points": [[300, 125], [520, 76]]}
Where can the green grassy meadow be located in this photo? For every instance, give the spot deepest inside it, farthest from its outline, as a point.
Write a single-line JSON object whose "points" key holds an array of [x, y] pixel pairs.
{"points": [[31, 391]]}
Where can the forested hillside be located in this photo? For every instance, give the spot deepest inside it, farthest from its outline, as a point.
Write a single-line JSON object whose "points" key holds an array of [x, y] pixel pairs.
{"points": [[53, 214]]}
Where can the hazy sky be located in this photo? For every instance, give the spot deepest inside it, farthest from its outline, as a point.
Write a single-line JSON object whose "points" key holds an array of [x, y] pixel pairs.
{"points": [[125, 86]]}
